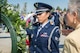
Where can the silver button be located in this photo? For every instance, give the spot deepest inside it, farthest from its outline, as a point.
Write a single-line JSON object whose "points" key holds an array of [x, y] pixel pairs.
{"points": [[35, 39], [34, 51], [35, 45]]}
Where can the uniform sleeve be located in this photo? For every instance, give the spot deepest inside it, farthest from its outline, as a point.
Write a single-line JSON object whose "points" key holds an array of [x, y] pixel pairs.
{"points": [[57, 33], [70, 46], [55, 40], [29, 31]]}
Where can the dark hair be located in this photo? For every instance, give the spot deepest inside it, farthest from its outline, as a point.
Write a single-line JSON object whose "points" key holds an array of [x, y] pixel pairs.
{"points": [[48, 11], [50, 16]]}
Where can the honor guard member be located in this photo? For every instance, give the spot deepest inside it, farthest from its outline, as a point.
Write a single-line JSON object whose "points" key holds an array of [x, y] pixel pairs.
{"points": [[55, 18], [44, 38]]}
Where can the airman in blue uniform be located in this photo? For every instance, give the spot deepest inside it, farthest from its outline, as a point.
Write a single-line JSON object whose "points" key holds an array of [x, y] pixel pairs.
{"points": [[56, 19], [45, 37]]}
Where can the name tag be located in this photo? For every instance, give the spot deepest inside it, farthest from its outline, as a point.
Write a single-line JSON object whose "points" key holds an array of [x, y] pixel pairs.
{"points": [[44, 35]]}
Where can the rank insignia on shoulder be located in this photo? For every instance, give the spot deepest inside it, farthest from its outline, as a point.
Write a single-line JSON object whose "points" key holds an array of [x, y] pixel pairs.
{"points": [[56, 38], [51, 22]]}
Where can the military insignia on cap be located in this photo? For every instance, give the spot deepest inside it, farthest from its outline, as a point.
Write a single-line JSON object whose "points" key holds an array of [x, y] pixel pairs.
{"points": [[36, 4]]}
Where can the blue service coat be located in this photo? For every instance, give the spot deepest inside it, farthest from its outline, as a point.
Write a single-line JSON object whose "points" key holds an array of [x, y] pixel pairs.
{"points": [[56, 18], [39, 44]]}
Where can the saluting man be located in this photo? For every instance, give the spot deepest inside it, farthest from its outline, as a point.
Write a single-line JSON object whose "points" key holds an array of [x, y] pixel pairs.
{"points": [[45, 37]]}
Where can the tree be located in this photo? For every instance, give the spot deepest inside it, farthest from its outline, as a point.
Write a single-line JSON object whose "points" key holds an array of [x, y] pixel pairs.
{"points": [[58, 8], [53, 9], [3, 2], [64, 9], [24, 8], [16, 22], [18, 7]]}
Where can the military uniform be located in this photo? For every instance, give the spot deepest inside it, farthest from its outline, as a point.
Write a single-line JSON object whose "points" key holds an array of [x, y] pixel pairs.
{"points": [[72, 42], [56, 18], [46, 38], [39, 44]]}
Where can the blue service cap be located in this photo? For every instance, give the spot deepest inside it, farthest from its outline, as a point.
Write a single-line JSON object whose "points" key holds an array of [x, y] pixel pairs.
{"points": [[42, 7]]}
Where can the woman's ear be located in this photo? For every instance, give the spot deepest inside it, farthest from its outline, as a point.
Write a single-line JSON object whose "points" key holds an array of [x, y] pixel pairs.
{"points": [[75, 14]]}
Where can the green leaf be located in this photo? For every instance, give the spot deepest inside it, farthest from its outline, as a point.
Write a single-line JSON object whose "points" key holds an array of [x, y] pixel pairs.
{"points": [[18, 38]]}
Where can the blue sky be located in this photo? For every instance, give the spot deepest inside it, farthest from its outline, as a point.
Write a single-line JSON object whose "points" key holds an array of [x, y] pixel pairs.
{"points": [[54, 3]]}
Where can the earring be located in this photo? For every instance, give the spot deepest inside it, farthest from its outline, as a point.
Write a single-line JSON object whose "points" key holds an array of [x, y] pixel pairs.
{"points": [[74, 22]]}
